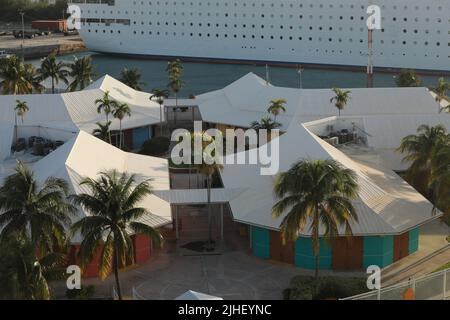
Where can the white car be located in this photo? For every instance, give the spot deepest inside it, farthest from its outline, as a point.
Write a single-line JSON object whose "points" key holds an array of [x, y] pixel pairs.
{"points": [[4, 55]]}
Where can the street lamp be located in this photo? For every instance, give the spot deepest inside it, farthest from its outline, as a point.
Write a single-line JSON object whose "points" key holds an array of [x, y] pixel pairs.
{"points": [[23, 34], [300, 78]]}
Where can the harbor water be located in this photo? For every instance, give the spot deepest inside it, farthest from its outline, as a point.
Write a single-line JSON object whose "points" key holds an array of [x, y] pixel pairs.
{"points": [[204, 77]]}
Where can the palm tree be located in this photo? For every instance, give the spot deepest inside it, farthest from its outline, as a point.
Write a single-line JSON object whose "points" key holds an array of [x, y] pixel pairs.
{"points": [[132, 78], [160, 95], [112, 204], [276, 107], [421, 149], [440, 179], [51, 68], [32, 76], [209, 166], [16, 77], [39, 213], [441, 92], [119, 112], [102, 131], [408, 78], [22, 276], [175, 71], [265, 123], [106, 105], [81, 72], [20, 109], [340, 99], [317, 192]]}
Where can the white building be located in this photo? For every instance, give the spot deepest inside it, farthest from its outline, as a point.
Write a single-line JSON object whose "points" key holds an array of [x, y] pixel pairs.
{"points": [[382, 115], [61, 116], [391, 213]]}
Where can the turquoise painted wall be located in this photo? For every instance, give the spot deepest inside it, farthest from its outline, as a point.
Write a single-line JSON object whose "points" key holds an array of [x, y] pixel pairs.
{"points": [[261, 242], [304, 256], [378, 250], [140, 135], [413, 240]]}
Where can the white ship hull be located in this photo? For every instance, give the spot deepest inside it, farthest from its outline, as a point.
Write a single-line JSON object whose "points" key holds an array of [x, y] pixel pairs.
{"points": [[415, 33]]}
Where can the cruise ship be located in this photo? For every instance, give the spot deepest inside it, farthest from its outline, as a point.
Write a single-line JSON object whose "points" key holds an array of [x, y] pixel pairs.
{"points": [[413, 34]]}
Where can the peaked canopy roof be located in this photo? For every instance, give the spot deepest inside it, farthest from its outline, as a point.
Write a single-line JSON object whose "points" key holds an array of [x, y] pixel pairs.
{"points": [[385, 204], [66, 113], [246, 100], [386, 115], [86, 156], [193, 295]]}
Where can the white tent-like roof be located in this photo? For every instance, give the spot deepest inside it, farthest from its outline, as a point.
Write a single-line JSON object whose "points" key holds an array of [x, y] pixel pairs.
{"points": [[193, 295], [246, 100], [60, 116], [86, 156], [385, 204], [386, 114]]}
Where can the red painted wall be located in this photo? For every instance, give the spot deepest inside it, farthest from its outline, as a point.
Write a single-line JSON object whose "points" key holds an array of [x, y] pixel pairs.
{"points": [[142, 248], [91, 270], [142, 252]]}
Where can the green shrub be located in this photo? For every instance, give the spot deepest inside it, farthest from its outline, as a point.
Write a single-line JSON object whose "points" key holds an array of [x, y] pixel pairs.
{"points": [[156, 146], [306, 288], [336, 288], [85, 293]]}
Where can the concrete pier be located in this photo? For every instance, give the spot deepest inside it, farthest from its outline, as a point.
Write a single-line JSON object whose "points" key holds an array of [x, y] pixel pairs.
{"points": [[42, 46]]}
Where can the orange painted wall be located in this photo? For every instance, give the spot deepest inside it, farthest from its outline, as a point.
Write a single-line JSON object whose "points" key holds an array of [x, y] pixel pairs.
{"points": [[142, 248], [142, 252]]}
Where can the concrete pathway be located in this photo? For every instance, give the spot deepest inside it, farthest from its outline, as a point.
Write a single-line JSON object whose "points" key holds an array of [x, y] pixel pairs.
{"points": [[434, 251], [234, 274]]}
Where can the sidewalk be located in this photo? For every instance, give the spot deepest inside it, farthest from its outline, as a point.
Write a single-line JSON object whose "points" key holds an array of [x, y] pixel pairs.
{"points": [[434, 251]]}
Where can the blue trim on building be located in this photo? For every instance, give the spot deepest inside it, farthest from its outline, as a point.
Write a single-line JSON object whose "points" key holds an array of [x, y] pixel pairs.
{"points": [[304, 256], [261, 242], [413, 240], [378, 250], [140, 135]]}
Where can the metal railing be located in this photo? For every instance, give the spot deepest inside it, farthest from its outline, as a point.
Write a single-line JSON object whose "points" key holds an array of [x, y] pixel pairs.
{"points": [[434, 286]]}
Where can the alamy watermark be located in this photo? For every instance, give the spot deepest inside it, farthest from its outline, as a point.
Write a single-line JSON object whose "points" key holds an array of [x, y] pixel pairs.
{"points": [[74, 20], [374, 278], [374, 19], [74, 278]]}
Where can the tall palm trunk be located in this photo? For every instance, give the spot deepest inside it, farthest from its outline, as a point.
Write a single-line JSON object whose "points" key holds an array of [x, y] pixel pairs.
{"points": [[53, 85], [120, 135], [116, 271], [316, 272], [16, 131], [160, 120], [176, 108], [316, 248], [109, 131]]}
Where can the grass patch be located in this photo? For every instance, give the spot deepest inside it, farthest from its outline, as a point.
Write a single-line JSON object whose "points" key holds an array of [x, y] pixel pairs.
{"points": [[443, 267], [326, 288]]}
